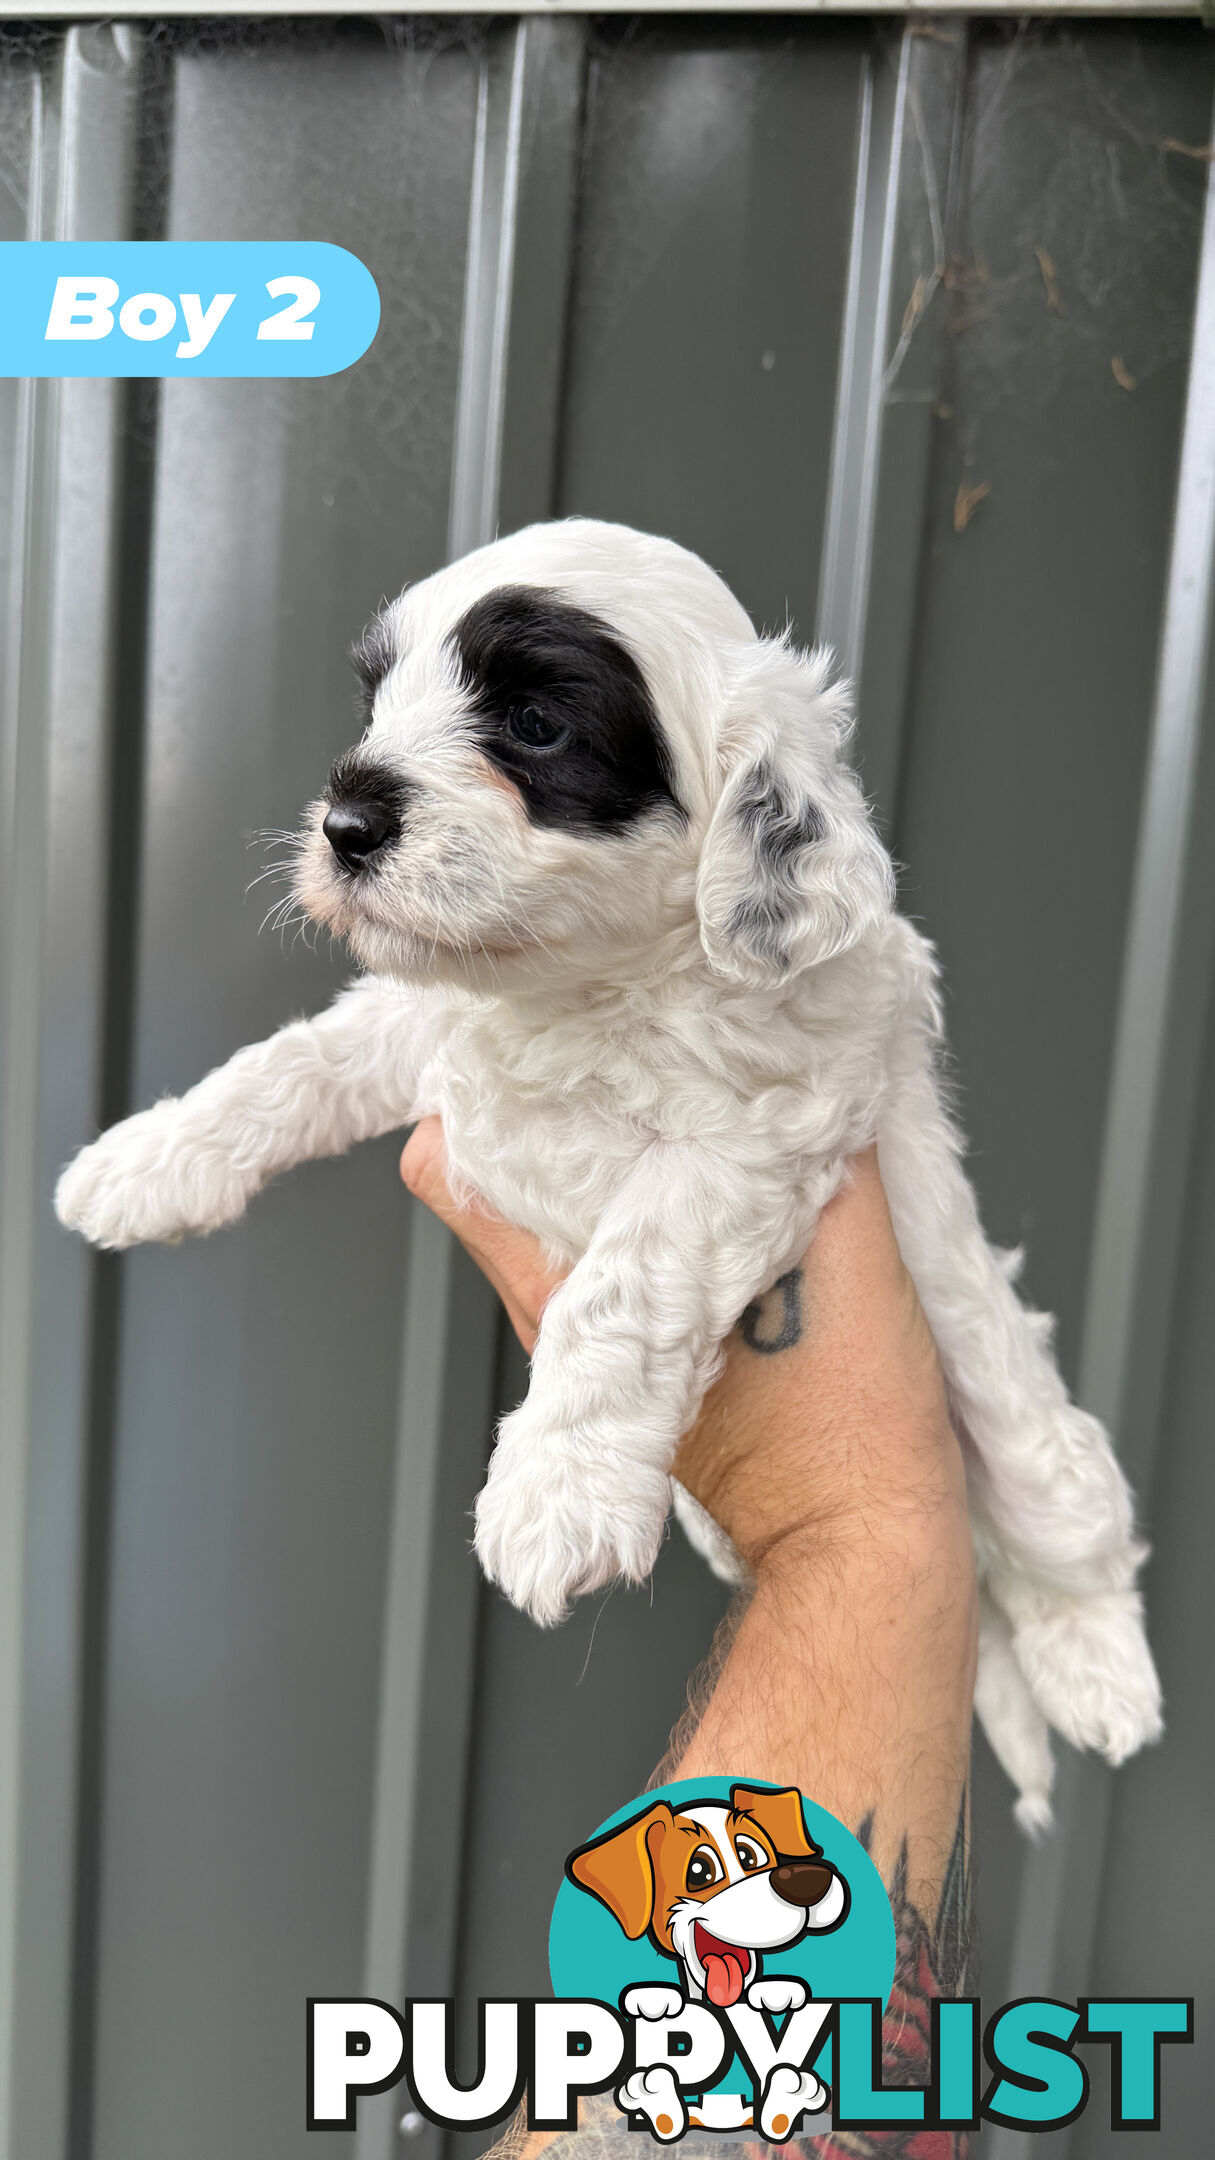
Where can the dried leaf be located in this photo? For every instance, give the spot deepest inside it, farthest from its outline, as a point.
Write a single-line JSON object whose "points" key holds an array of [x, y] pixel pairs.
{"points": [[1204, 152], [966, 502], [1122, 374], [1050, 282], [929, 30]]}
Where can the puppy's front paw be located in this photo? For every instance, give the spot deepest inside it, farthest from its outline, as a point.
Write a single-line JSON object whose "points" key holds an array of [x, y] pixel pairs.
{"points": [[652, 2002], [144, 1180], [777, 1994], [553, 1522]]}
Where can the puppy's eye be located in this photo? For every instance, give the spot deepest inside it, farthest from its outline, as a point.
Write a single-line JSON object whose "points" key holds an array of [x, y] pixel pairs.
{"points": [[535, 728], [748, 1855], [703, 1869]]}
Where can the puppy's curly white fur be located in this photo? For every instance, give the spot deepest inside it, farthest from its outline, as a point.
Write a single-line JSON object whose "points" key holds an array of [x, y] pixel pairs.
{"points": [[628, 926]]}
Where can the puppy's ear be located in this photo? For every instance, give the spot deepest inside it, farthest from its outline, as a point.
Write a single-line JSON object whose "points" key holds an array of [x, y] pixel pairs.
{"points": [[792, 870], [619, 1869], [780, 1815]]}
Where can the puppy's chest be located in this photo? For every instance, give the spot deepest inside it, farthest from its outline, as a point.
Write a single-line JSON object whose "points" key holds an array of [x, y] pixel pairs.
{"points": [[547, 1127], [547, 1123]]}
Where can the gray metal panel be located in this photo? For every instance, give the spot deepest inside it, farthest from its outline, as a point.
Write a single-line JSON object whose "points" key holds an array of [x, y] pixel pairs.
{"points": [[58, 9], [711, 265], [1148, 1136], [550, 146], [1038, 632], [259, 1372], [65, 681], [890, 373], [21, 789], [1153, 1918]]}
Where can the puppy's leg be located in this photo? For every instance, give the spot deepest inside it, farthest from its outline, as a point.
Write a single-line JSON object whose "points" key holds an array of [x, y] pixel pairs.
{"points": [[1054, 1525], [707, 1537], [1015, 1727], [193, 1163], [578, 1487]]}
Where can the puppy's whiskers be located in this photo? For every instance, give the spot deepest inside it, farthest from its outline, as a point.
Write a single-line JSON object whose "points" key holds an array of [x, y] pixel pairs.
{"points": [[284, 866], [272, 870], [281, 914]]}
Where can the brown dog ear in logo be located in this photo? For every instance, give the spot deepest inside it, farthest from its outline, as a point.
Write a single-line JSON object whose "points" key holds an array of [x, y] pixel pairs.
{"points": [[780, 1814], [619, 1869]]}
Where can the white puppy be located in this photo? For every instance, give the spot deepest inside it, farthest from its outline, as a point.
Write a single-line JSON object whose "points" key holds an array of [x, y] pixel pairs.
{"points": [[629, 928]]}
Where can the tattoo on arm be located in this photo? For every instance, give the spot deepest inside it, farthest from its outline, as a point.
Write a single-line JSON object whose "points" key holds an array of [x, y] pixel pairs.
{"points": [[933, 1958], [774, 1321]]}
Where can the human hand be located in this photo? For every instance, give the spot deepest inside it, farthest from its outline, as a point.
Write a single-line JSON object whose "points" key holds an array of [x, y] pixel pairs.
{"points": [[829, 1418]]}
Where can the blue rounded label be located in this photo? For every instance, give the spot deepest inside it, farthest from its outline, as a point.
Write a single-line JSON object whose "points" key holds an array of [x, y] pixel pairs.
{"points": [[183, 307]]}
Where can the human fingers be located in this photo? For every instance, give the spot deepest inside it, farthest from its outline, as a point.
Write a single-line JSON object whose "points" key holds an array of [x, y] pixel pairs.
{"points": [[510, 1258]]}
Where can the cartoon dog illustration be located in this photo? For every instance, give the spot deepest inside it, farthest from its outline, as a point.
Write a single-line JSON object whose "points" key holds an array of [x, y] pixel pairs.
{"points": [[715, 1887]]}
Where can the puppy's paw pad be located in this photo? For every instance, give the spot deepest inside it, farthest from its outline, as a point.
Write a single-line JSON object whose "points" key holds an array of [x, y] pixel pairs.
{"points": [[655, 2094], [788, 2095]]}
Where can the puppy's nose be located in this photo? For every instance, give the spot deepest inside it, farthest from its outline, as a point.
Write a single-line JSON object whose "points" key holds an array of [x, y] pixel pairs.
{"points": [[801, 1882], [355, 830]]}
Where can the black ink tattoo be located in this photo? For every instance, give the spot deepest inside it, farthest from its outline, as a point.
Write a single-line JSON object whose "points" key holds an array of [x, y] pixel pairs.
{"points": [[787, 1323], [930, 1961]]}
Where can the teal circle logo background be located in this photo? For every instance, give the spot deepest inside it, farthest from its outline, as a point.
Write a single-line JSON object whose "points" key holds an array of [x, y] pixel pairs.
{"points": [[590, 1955]]}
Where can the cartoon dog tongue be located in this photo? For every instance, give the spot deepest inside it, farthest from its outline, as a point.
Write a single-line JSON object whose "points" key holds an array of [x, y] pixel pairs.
{"points": [[725, 1967]]}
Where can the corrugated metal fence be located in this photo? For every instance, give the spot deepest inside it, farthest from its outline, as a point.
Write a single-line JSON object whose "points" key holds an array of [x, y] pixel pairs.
{"points": [[911, 331]]}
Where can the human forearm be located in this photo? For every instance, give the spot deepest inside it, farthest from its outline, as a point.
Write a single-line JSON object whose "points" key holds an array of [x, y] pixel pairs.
{"points": [[848, 1674], [825, 1452], [848, 1670]]}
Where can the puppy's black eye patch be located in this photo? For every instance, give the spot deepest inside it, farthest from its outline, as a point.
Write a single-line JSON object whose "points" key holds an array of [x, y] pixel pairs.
{"points": [[371, 657], [560, 706]]}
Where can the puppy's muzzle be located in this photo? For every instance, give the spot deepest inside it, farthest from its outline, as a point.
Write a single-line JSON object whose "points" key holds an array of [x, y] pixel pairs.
{"points": [[365, 814]]}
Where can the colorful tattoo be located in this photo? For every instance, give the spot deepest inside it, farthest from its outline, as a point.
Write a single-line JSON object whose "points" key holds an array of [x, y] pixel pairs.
{"points": [[931, 1960]]}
